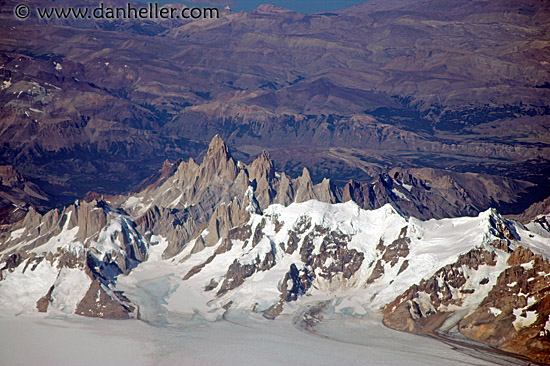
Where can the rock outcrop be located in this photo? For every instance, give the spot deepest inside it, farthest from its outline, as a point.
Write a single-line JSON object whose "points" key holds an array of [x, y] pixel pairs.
{"points": [[97, 303], [84, 245], [217, 194], [515, 313], [506, 308]]}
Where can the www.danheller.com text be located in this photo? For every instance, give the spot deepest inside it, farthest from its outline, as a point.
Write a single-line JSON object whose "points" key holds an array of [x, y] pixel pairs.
{"points": [[101, 11]]}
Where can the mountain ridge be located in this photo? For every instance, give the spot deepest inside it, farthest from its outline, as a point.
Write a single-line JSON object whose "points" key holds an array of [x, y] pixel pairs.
{"points": [[219, 240]]}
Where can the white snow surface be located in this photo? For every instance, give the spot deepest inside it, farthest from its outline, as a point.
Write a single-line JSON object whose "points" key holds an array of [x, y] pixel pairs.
{"points": [[434, 244], [61, 240], [524, 321], [400, 195], [70, 287], [75, 340], [157, 247], [16, 234], [19, 291]]}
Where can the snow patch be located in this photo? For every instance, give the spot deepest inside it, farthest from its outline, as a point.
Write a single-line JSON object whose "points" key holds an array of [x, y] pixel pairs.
{"points": [[175, 202], [20, 291], [523, 321], [61, 240], [16, 234], [528, 266], [70, 287], [547, 326], [400, 195], [6, 84], [157, 248], [252, 203]]}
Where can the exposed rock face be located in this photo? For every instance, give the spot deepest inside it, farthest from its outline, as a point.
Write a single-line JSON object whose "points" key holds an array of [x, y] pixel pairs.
{"points": [[9, 177], [220, 194], [98, 304], [419, 308], [217, 194], [391, 254], [237, 272], [328, 264], [295, 284], [542, 222], [424, 306], [514, 314], [192, 197], [85, 244], [11, 263], [44, 302], [431, 193], [333, 260], [300, 281], [308, 256]]}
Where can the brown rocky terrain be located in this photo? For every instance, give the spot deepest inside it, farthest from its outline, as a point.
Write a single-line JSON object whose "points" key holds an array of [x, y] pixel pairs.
{"points": [[511, 314], [521, 295], [204, 204], [17, 194], [178, 203], [537, 209], [97, 303], [349, 94]]}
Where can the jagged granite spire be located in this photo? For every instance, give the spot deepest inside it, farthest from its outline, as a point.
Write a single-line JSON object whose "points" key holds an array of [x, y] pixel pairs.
{"points": [[218, 161]]}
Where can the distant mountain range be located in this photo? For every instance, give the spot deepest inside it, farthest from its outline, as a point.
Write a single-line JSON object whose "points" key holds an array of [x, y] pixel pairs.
{"points": [[456, 86]]}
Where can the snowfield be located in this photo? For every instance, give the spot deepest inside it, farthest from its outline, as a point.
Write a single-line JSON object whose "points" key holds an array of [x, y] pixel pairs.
{"points": [[70, 340], [433, 244]]}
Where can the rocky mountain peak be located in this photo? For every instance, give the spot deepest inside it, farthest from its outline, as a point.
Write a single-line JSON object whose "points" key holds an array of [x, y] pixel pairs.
{"points": [[221, 224], [218, 161], [262, 167], [537, 209], [305, 174], [218, 149], [155, 180]]}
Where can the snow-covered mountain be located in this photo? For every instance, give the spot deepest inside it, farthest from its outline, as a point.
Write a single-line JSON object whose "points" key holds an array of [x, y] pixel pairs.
{"points": [[222, 236]]}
